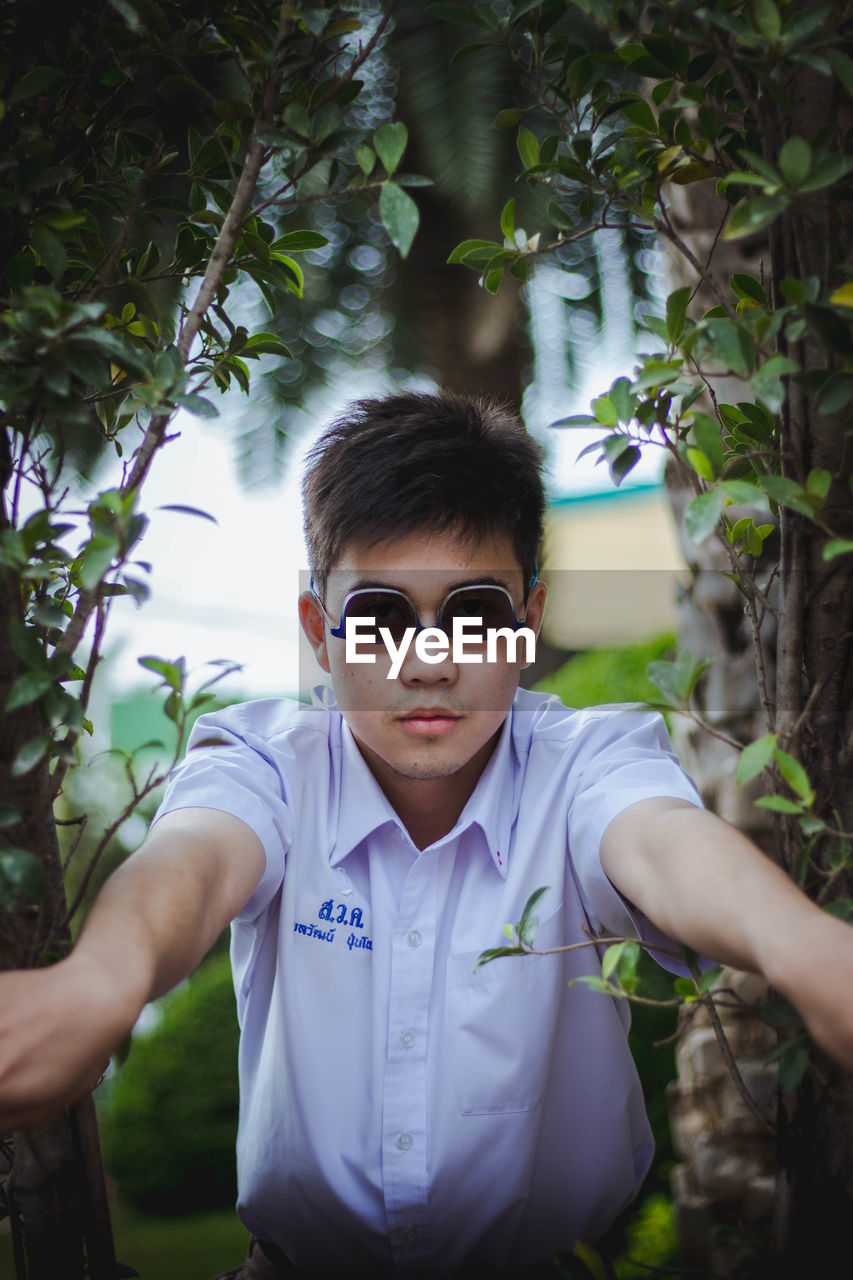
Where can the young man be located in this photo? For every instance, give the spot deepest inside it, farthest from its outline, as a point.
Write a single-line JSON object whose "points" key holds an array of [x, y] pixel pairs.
{"points": [[401, 1113]]}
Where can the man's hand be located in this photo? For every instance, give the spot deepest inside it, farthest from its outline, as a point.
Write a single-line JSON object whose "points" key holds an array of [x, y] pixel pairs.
{"points": [[153, 922], [815, 972], [58, 1028]]}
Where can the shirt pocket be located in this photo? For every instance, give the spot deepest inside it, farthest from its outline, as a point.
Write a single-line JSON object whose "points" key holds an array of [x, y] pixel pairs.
{"points": [[500, 1023]]}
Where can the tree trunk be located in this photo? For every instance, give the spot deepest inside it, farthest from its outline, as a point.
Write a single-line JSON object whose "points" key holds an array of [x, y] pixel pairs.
{"points": [[815, 698], [55, 1186], [811, 691]]}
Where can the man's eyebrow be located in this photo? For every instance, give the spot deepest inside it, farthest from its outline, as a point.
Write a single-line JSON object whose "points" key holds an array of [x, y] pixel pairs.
{"points": [[483, 580]]}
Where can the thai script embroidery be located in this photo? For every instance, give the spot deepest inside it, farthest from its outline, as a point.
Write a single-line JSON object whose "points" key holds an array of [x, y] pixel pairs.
{"points": [[340, 917], [355, 941], [311, 931]]}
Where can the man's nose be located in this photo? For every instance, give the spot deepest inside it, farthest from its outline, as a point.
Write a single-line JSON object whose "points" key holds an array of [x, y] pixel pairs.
{"points": [[417, 667]]}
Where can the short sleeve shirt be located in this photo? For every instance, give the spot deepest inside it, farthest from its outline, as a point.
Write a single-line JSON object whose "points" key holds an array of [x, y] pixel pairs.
{"points": [[402, 1111]]}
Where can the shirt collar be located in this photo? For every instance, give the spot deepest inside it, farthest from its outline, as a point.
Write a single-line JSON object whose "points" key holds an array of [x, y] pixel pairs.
{"points": [[364, 807]]}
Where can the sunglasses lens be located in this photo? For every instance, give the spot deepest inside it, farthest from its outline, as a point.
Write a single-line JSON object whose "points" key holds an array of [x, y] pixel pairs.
{"points": [[386, 608], [489, 606]]}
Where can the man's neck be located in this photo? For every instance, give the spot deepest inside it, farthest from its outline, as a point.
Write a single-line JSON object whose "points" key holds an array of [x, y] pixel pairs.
{"points": [[429, 807]]}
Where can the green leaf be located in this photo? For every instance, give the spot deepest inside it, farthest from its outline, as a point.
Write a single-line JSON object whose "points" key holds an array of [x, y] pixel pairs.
{"points": [[786, 492], [623, 462], [8, 816], [189, 511], [639, 113], [37, 81], [837, 547], [98, 555], [795, 161], [508, 220], [825, 170], [702, 514], [677, 679], [474, 253], [754, 757], [460, 14], [29, 755], [676, 312], [399, 215], [198, 405], [795, 775], [748, 287], [296, 118], [27, 688], [778, 804], [466, 49], [706, 433], [266, 344], [50, 250], [528, 148], [508, 117], [842, 907], [297, 242], [818, 482], [525, 926], [495, 953], [390, 142], [21, 876], [793, 1064], [594, 983], [727, 342], [744, 493], [767, 19], [365, 158], [842, 65], [612, 955], [752, 215]]}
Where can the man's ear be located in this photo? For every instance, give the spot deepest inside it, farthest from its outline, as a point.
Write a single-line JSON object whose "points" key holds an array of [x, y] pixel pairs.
{"points": [[535, 611], [313, 624]]}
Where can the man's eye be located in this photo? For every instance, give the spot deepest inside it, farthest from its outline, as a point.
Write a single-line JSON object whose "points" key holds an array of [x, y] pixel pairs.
{"points": [[383, 612]]}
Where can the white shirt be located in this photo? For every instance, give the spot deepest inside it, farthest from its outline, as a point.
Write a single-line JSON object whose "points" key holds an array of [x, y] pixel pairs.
{"points": [[400, 1112]]}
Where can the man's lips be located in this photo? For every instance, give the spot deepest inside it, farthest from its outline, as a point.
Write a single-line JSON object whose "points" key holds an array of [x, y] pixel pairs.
{"points": [[429, 720]]}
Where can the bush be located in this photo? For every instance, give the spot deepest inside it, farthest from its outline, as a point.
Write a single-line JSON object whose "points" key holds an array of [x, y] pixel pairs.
{"points": [[170, 1125], [609, 675], [619, 675]]}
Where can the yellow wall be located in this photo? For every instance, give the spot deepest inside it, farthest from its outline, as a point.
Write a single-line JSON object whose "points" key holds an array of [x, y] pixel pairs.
{"points": [[612, 566]]}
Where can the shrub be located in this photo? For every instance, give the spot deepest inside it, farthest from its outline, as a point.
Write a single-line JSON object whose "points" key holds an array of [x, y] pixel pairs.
{"points": [[170, 1126], [609, 675]]}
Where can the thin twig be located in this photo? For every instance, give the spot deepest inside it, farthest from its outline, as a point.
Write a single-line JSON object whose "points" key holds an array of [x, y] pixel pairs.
{"points": [[707, 1002]]}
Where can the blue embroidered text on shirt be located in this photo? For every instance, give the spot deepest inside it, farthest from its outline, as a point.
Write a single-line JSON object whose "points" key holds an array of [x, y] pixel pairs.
{"points": [[311, 931], [355, 914], [355, 941]]}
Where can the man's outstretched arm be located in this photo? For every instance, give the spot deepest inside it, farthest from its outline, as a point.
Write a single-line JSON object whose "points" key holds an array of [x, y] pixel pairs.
{"points": [[706, 884], [151, 925]]}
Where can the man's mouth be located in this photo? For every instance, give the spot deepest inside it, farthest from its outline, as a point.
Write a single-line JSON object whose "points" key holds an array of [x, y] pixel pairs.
{"points": [[429, 721]]}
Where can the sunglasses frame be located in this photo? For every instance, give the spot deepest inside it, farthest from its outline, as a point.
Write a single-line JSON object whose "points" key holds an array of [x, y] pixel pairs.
{"points": [[339, 631]]}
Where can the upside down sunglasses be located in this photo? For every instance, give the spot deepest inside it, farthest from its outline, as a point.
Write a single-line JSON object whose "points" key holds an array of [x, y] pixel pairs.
{"points": [[487, 603]]}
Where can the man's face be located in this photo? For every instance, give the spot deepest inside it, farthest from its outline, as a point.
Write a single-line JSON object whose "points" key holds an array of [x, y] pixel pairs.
{"points": [[434, 719]]}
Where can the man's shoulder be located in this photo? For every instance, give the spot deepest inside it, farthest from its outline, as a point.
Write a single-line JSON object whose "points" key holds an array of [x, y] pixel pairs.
{"points": [[267, 723], [540, 717]]}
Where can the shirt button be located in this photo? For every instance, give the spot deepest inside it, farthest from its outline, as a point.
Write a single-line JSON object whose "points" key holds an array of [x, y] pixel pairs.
{"points": [[407, 1039], [405, 1141], [415, 938]]}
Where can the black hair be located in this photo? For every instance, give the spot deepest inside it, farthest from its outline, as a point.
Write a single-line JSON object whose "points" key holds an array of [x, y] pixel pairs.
{"points": [[417, 461]]}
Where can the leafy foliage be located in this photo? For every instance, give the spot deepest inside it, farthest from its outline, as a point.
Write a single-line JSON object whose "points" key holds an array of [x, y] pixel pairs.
{"points": [[146, 192], [622, 106], [632, 116], [170, 1124]]}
